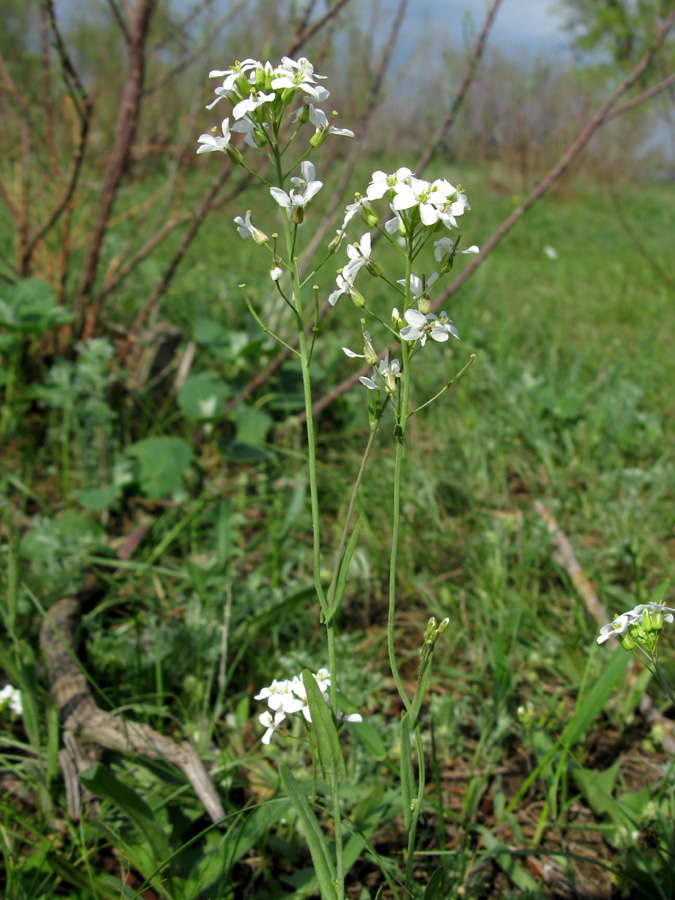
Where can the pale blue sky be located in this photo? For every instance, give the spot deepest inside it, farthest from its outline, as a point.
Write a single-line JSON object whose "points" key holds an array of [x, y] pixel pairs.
{"points": [[521, 26]]}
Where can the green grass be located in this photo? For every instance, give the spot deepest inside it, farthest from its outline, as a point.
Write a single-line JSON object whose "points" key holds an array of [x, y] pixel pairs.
{"points": [[569, 401]]}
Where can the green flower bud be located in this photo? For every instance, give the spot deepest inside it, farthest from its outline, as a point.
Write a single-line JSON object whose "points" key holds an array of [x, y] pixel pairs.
{"points": [[424, 305], [234, 155]]}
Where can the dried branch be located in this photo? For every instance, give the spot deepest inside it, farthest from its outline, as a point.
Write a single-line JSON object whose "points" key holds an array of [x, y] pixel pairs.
{"points": [[124, 131], [197, 51], [310, 31]]}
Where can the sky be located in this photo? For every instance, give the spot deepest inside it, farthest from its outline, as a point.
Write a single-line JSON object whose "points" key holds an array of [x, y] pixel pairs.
{"points": [[531, 27]]}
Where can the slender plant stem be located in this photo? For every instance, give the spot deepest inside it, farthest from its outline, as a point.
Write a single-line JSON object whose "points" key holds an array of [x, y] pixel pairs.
{"points": [[662, 678], [412, 833], [289, 238]]}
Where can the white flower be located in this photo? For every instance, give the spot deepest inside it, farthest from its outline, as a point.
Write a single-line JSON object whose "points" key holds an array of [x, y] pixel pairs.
{"points": [[352, 717], [384, 376], [305, 188], [276, 272], [251, 103], [271, 724], [359, 254], [420, 327], [618, 626], [368, 354], [279, 695], [319, 120], [300, 74], [345, 285], [247, 229], [444, 248], [381, 182], [210, 142], [231, 75], [429, 198], [551, 252], [653, 607], [11, 696], [288, 697], [635, 616], [361, 206], [418, 288]]}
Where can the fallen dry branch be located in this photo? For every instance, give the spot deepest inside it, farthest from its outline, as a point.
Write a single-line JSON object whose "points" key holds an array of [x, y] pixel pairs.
{"points": [[83, 721]]}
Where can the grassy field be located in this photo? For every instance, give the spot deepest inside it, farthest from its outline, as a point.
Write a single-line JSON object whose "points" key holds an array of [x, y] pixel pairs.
{"points": [[544, 780]]}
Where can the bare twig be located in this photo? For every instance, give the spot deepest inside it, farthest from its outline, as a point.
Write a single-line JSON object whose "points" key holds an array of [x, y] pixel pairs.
{"points": [[124, 132]]}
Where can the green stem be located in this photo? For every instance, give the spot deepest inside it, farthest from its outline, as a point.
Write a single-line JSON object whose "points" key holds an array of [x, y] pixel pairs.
{"points": [[339, 854], [314, 503], [415, 813], [662, 679]]}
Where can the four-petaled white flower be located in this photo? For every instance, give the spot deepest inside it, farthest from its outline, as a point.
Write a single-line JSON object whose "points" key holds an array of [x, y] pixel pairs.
{"points": [[211, 142], [251, 103], [384, 376], [381, 182], [421, 326], [305, 188]]}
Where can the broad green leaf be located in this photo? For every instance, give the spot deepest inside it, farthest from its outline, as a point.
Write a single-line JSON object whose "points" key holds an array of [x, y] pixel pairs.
{"points": [[201, 395], [163, 462], [100, 780], [315, 838], [327, 741], [98, 499]]}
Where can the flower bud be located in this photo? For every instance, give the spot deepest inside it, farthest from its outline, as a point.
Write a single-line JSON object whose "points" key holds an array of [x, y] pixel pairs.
{"points": [[303, 115], [396, 320], [298, 215], [373, 268], [626, 641], [234, 155], [357, 298], [259, 236], [318, 138], [443, 626], [424, 305]]}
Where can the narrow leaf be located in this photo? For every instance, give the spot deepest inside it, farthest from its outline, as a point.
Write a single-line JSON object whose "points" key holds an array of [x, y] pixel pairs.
{"points": [[407, 777], [344, 570], [327, 741], [316, 841], [100, 780]]}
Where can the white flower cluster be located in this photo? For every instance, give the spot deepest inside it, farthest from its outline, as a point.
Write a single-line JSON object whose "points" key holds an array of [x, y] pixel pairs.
{"points": [[11, 696], [637, 624], [417, 205], [284, 698], [260, 93]]}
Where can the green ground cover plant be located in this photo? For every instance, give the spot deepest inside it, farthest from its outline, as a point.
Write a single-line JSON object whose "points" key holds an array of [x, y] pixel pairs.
{"points": [[179, 518]]}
